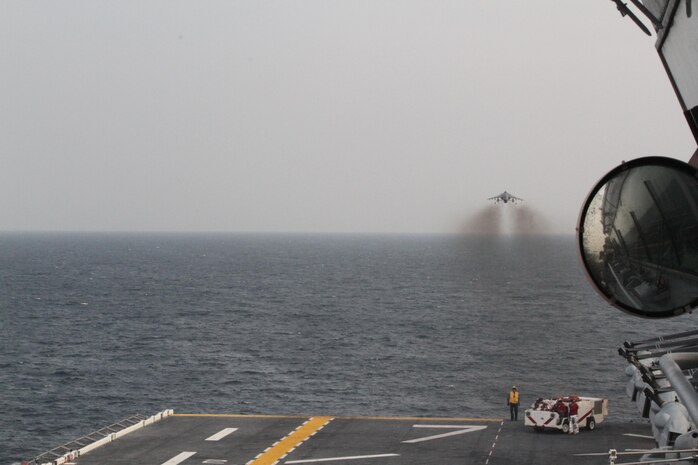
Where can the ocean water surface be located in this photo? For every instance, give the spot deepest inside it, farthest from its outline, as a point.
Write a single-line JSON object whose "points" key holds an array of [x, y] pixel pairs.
{"points": [[96, 327]]}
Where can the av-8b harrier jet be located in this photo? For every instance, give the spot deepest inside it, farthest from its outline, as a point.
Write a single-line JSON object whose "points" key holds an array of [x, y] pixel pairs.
{"points": [[506, 197]]}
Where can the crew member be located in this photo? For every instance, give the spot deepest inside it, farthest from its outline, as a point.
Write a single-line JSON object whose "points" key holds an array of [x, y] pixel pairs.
{"points": [[561, 409], [574, 420], [513, 403]]}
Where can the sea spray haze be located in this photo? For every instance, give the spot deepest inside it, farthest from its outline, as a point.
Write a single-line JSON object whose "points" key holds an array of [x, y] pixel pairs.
{"points": [[95, 327]]}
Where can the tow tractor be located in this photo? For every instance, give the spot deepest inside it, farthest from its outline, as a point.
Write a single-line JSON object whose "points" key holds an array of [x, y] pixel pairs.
{"points": [[552, 413]]}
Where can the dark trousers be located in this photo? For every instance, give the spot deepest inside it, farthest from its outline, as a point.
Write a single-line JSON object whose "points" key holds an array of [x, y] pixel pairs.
{"points": [[514, 410]]}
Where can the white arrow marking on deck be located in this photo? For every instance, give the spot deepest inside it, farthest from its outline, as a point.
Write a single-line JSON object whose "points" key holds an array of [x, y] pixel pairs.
{"points": [[355, 457], [221, 434], [462, 429], [179, 458]]}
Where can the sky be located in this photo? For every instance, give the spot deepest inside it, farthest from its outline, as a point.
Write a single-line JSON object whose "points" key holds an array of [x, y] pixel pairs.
{"points": [[380, 116]]}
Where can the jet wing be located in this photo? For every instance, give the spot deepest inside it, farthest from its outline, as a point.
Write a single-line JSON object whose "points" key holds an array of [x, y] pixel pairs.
{"points": [[506, 197]]}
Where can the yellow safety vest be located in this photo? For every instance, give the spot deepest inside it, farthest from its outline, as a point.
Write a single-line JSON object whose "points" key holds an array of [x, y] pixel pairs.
{"points": [[514, 397]]}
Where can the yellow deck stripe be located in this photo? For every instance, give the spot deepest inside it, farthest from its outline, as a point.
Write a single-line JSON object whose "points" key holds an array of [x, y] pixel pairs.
{"points": [[287, 444]]}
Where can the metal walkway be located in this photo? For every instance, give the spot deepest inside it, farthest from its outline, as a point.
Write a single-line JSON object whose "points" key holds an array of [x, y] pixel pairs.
{"points": [[60, 451]]}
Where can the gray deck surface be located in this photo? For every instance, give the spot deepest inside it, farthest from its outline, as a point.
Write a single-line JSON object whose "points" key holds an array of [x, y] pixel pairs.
{"points": [[342, 440]]}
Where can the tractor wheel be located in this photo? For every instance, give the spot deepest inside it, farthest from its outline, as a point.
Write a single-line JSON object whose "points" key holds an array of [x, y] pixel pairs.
{"points": [[591, 424]]}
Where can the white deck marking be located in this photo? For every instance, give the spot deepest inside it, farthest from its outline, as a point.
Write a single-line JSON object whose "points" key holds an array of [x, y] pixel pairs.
{"points": [[461, 429], [215, 461], [444, 426], [221, 434], [489, 456], [179, 458], [354, 457], [633, 435]]}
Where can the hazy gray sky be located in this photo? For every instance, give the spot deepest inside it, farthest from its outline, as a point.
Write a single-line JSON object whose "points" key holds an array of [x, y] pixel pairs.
{"points": [[332, 116]]}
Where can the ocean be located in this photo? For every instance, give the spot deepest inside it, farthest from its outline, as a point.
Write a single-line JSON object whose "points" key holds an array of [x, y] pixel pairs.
{"points": [[96, 327]]}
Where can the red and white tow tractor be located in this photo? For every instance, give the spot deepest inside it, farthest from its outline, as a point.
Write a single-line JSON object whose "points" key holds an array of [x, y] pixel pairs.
{"points": [[553, 413]]}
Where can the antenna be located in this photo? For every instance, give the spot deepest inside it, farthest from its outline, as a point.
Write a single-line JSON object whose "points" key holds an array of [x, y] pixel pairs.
{"points": [[655, 21], [624, 10]]}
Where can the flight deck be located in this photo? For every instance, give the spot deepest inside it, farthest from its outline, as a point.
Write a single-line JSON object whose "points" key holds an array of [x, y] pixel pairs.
{"points": [[190, 439]]}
